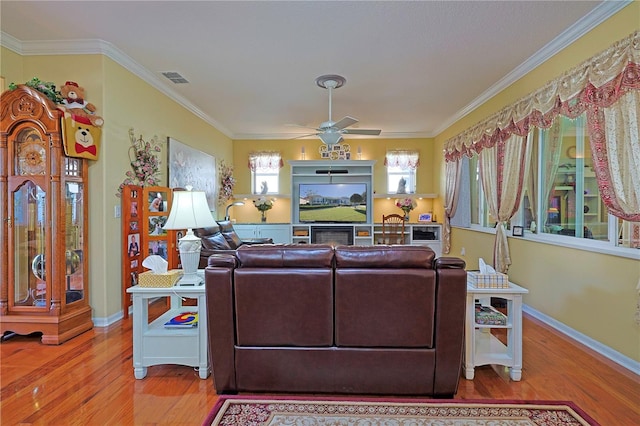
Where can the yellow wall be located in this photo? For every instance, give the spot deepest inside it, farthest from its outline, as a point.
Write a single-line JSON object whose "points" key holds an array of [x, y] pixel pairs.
{"points": [[124, 101], [427, 181], [592, 293]]}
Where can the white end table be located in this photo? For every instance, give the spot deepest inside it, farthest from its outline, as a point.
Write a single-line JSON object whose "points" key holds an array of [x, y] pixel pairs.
{"points": [[154, 344], [481, 347]]}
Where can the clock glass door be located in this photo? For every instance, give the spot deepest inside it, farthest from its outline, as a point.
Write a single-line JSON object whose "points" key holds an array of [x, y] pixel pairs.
{"points": [[29, 266]]}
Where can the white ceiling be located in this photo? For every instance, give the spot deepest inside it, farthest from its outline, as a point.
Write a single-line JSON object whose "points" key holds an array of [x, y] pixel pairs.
{"points": [[412, 67]]}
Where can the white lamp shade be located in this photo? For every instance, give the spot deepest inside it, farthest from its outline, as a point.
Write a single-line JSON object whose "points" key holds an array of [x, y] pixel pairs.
{"points": [[189, 209]]}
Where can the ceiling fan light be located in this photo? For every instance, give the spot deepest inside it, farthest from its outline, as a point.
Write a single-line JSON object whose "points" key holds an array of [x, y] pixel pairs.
{"points": [[330, 138]]}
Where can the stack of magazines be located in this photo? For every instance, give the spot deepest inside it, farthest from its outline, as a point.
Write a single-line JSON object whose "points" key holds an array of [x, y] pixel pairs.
{"points": [[184, 320], [487, 315]]}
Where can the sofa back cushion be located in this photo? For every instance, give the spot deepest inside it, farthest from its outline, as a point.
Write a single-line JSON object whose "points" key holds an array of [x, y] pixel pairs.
{"points": [[286, 256], [284, 295], [226, 228], [385, 296], [212, 239]]}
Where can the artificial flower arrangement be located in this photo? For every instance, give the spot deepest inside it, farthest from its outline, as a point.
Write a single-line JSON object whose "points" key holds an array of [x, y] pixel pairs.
{"points": [[406, 204], [263, 204], [144, 162], [227, 182]]}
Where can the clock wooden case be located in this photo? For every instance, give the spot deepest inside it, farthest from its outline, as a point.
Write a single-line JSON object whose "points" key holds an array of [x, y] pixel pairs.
{"points": [[44, 223]]}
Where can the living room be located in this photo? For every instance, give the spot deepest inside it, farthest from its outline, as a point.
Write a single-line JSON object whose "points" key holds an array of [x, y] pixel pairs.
{"points": [[589, 295]]}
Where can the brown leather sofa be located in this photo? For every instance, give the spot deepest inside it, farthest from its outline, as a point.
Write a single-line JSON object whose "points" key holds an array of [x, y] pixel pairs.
{"points": [[347, 319], [220, 239]]}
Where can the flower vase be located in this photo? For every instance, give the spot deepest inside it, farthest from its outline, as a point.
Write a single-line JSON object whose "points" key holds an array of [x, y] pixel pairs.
{"points": [[406, 217], [263, 217]]}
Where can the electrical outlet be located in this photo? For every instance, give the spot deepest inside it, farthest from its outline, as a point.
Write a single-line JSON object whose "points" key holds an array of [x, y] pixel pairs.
{"points": [[462, 251], [116, 211]]}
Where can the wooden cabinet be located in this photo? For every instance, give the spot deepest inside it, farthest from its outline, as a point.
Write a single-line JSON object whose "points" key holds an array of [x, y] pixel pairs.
{"points": [[144, 212], [279, 233], [44, 216]]}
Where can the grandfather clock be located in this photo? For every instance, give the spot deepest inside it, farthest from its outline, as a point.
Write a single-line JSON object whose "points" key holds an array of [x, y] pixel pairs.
{"points": [[43, 215]]}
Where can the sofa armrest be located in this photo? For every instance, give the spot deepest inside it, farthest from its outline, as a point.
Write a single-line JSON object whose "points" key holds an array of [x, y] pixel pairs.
{"points": [[451, 302], [220, 324]]}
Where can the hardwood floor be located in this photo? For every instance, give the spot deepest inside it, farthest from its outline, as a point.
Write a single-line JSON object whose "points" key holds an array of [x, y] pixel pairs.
{"points": [[89, 381]]}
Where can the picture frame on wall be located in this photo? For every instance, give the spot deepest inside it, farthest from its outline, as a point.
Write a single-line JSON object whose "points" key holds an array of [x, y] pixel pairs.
{"points": [[190, 166], [425, 217]]}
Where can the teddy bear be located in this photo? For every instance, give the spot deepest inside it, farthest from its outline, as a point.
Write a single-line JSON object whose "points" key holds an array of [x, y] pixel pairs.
{"points": [[74, 102]]}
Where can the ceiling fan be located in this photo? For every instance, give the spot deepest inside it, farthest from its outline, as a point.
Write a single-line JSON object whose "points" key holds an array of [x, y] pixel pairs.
{"points": [[330, 132]]}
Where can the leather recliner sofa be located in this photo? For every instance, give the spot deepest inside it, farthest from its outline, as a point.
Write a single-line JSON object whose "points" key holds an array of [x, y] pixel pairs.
{"points": [[221, 238], [347, 319]]}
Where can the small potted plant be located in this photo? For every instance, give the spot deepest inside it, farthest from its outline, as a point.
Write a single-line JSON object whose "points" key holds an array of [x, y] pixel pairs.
{"points": [[406, 204], [263, 204]]}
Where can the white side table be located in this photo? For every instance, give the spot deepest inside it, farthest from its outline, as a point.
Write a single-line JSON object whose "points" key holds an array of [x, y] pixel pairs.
{"points": [[481, 347], [154, 344]]}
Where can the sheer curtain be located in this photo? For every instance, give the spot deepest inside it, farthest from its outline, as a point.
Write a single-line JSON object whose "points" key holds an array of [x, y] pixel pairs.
{"points": [[550, 162], [503, 168], [452, 193]]}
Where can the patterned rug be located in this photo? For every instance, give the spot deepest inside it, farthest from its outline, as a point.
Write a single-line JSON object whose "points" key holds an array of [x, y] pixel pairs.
{"points": [[316, 411]]}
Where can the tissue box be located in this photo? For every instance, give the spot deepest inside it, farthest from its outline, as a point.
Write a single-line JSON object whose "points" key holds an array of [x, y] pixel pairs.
{"points": [[478, 280], [149, 279]]}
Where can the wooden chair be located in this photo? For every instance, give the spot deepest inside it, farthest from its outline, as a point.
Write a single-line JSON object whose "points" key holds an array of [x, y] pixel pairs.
{"points": [[393, 229]]}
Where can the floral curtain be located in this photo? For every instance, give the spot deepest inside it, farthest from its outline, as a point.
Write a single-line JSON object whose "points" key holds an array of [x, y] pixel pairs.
{"points": [[615, 149], [606, 88], [265, 160], [403, 159], [503, 168], [452, 194]]}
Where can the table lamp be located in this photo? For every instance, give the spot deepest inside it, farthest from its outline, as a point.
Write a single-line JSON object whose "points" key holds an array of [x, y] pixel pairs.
{"points": [[189, 210]]}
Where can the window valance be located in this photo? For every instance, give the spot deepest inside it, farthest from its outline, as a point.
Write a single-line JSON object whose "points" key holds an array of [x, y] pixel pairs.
{"points": [[265, 160], [402, 158], [597, 82]]}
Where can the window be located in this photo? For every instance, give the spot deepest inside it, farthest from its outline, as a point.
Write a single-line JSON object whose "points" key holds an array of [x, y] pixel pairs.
{"points": [[265, 172], [401, 171], [561, 198]]}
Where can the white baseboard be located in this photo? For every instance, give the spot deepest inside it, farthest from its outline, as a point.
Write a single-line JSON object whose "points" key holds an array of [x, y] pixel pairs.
{"points": [[615, 356]]}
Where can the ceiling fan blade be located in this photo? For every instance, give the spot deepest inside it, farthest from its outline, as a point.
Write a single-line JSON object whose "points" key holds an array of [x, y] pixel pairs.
{"points": [[345, 122], [306, 136], [361, 132], [302, 127]]}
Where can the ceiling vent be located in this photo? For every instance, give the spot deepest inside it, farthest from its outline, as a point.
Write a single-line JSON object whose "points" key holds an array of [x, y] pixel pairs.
{"points": [[175, 77]]}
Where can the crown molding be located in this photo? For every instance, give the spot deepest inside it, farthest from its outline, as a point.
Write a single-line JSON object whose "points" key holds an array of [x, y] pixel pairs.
{"points": [[101, 47], [383, 135], [599, 14]]}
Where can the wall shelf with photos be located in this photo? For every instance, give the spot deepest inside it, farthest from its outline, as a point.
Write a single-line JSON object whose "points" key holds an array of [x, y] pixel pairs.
{"points": [[144, 212]]}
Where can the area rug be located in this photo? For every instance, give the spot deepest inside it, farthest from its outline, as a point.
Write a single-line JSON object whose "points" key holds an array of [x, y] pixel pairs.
{"points": [[316, 411]]}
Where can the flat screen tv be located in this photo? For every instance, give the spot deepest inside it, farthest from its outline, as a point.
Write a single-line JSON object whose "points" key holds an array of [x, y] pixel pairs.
{"points": [[332, 203]]}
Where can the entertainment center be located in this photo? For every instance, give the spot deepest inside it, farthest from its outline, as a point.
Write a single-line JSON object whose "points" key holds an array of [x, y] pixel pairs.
{"points": [[332, 202]]}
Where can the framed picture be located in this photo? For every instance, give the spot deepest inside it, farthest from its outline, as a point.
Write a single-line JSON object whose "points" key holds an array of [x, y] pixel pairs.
{"points": [[134, 245], [158, 247], [189, 166], [157, 201], [424, 217], [155, 225], [518, 231]]}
